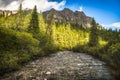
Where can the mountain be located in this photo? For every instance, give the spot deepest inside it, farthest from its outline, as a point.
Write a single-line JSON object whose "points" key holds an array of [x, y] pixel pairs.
{"points": [[64, 16], [67, 16]]}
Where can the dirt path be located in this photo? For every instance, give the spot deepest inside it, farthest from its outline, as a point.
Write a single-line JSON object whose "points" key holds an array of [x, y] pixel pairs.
{"points": [[66, 65]]}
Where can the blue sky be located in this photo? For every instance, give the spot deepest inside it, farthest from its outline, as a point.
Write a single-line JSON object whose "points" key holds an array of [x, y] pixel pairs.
{"points": [[105, 12]]}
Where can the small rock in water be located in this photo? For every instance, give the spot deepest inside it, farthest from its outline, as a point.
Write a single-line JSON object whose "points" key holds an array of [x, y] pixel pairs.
{"points": [[48, 73], [78, 57], [45, 79], [33, 63], [34, 70], [78, 64]]}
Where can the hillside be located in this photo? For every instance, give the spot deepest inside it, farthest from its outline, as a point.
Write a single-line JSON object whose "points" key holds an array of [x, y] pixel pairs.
{"points": [[67, 16]]}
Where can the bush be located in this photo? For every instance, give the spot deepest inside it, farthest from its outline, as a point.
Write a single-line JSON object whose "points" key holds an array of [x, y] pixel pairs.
{"points": [[114, 59], [16, 48], [8, 61]]}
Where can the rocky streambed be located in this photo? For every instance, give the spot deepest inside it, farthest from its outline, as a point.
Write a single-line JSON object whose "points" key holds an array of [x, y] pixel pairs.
{"points": [[65, 65]]}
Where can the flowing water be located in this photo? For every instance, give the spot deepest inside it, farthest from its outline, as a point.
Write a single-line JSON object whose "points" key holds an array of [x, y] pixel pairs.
{"points": [[65, 65]]}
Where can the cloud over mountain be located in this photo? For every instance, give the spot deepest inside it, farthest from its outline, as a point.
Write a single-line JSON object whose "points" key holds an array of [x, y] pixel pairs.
{"points": [[42, 5], [115, 25]]}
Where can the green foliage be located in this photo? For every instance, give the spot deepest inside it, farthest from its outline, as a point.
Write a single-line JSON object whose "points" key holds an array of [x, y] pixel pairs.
{"points": [[93, 34], [65, 37], [16, 48], [114, 52], [42, 24], [34, 23], [26, 22], [19, 19], [8, 60], [114, 59]]}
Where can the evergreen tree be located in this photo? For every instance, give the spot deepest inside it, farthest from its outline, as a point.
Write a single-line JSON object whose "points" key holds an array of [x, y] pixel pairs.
{"points": [[20, 9], [93, 41], [3, 15], [34, 22], [19, 17], [42, 24]]}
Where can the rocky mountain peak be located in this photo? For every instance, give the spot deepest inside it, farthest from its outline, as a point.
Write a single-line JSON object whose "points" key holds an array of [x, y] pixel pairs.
{"points": [[66, 10], [79, 13], [52, 10], [67, 16]]}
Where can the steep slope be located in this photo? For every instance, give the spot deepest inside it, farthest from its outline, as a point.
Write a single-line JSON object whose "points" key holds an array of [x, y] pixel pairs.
{"points": [[67, 16]]}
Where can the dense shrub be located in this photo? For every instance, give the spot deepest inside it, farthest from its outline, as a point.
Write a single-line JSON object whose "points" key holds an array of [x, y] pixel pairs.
{"points": [[16, 48], [114, 59]]}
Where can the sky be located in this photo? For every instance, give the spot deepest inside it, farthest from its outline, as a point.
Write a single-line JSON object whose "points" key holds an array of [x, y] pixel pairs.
{"points": [[105, 12]]}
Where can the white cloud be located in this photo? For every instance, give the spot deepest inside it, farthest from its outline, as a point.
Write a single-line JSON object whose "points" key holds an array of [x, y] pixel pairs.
{"points": [[12, 6], [116, 24], [113, 25], [42, 5], [80, 8]]}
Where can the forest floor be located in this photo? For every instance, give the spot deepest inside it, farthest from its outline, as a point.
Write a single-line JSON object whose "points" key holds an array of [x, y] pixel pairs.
{"points": [[65, 65]]}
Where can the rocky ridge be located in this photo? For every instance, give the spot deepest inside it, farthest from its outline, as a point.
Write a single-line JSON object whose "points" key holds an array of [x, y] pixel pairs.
{"points": [[67, 16]]}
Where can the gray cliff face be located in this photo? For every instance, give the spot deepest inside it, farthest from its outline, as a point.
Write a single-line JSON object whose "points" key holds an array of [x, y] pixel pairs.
{"points": [[67, 16]]}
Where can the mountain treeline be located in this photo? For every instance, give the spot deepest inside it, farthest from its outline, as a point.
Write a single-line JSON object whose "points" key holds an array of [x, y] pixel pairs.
{"points": [[24, 37]]}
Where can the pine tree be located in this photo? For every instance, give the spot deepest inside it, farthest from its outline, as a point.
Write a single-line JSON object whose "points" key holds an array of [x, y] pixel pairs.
{"points": [[19, 17], [42, 24], [20, 9], [34, 22], [93, 41]]}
